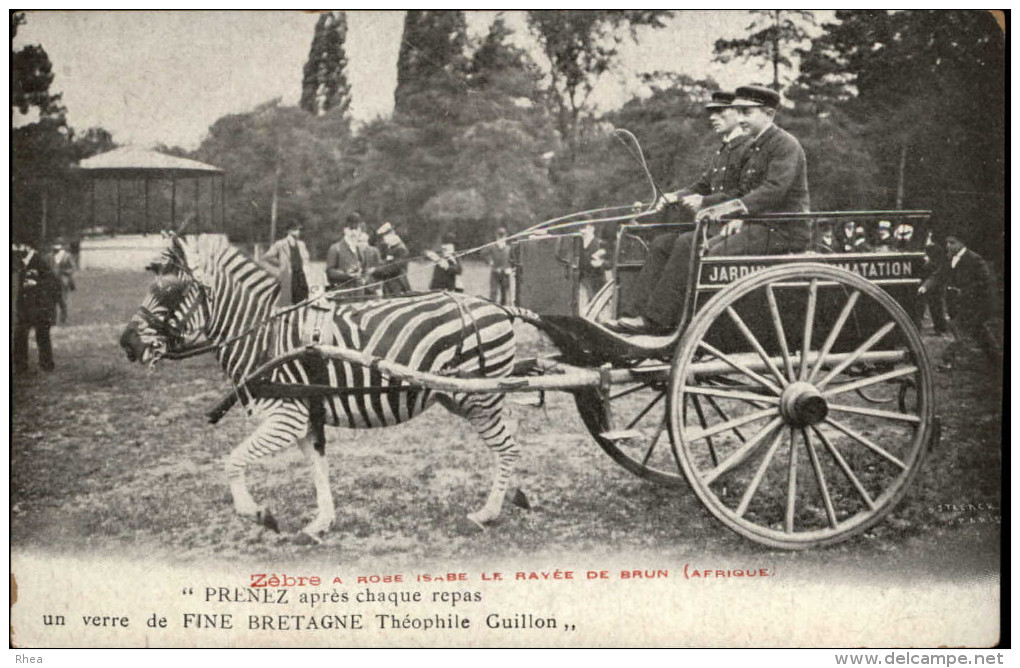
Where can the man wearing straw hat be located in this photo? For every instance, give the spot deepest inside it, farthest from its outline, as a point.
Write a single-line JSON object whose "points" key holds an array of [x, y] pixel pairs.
{"points": [[772, 178]]}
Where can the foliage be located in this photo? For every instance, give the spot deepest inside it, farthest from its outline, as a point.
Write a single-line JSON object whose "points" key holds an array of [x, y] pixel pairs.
{"points": [[325, 86], [582, 46], [927, 88], [775, 36], [285, 148]]}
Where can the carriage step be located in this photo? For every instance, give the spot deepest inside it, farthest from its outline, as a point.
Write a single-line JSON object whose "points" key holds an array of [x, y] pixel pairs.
{"points": [[622, 434]]}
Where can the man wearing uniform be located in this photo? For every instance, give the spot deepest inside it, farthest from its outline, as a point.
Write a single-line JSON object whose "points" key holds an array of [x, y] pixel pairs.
{"points": [[772, 178], [668, 254], [393, 270]]}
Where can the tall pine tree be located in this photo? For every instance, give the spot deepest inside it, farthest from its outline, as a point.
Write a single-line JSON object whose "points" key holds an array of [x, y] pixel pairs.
{"points": [[325, 86], [431, 64]]}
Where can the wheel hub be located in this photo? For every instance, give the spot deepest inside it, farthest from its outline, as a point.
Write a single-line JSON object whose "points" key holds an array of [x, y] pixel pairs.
{"points": [[803, 405]]}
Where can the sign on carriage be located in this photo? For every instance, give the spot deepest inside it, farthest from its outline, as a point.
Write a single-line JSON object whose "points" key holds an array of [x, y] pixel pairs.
{"points": [[583, 421]]}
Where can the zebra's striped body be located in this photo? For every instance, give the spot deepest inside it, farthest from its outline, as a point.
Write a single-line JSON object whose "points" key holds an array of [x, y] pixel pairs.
{"points": [[435, 332]]}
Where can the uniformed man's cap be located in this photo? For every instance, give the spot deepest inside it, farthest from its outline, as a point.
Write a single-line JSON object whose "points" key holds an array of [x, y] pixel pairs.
{"points": [[384, 229], [756, 96], [720, 100]]}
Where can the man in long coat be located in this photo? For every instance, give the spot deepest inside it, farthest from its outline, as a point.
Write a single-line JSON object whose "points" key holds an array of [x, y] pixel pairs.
{"points": [[288, 260]]}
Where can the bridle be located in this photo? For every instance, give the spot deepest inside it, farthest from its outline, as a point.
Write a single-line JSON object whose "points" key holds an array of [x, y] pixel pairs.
{"points": [[169, 327]]}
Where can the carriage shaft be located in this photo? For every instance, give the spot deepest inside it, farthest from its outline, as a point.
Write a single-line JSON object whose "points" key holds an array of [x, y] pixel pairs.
{"points": [[558, 376]]}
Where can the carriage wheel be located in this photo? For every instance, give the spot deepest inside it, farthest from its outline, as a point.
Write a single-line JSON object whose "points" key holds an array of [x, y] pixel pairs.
{"points": [[816, 462], [629, 423]]}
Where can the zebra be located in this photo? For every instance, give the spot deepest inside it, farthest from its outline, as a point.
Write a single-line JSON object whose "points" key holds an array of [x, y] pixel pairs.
{"points": [[208, 287]]}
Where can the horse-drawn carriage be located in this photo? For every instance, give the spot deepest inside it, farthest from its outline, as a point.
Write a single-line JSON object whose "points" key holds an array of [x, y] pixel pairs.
{"points": [[795, 396]]}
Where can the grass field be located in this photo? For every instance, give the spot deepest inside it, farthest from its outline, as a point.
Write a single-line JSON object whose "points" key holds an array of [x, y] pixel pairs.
{"points": [[109, 458]]}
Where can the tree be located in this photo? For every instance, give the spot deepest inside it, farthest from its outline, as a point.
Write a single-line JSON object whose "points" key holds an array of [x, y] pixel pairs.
{"points": [[325, 86], [40, 144], [431, 64], [928, 89], [581, 46], [280, 158], [775, 36]]}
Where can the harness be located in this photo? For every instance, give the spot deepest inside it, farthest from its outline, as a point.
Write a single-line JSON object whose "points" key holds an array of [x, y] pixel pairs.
{"points": [[466, 317]]}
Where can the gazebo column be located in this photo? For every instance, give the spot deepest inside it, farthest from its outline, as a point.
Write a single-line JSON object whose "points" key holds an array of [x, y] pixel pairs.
{"points": [[146, 204], [173, 202], [118, 207]]}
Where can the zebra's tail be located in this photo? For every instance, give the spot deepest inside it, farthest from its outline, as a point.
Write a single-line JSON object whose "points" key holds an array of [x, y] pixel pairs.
{"points": [[527, 315]]}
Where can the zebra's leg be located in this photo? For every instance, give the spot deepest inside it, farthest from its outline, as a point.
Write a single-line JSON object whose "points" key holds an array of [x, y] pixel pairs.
{"points": [[323, 494], [285, 423], [485, 412]]}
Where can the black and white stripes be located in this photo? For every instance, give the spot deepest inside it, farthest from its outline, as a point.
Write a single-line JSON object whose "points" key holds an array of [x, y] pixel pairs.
{"points": [[435, 332]]}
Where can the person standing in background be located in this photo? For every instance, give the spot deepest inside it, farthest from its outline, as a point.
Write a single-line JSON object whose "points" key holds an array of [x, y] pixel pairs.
{"points": [[447, 267], [370, 259], [500, 269], [345, 269], [393, 269], [63, 266], [37, 292], [287, 260], [592, 265], [972, 299]]}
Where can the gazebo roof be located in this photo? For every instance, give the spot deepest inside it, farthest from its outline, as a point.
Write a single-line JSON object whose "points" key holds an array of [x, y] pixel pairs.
{"points": [[129, 162]]}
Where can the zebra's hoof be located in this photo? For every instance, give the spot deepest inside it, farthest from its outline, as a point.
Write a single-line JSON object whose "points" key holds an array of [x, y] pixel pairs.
{"points": [[305, 538], [467, 526], [266, 519], [520, 500]]}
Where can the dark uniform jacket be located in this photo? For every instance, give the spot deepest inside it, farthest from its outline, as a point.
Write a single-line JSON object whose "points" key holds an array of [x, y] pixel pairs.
{"points": [[393, 269], [773, 179], [721, 181], [970, 289], [38, 289]]}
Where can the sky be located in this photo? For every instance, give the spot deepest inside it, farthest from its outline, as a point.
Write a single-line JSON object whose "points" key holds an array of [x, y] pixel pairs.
{"points": [[165, 77]]}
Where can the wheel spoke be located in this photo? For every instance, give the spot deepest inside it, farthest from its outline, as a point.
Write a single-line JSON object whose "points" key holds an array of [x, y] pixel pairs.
{"points": [[765, 382], [730, 394], [866, 382], [809, 323], [704, 425], [791, 485], [777, 320], [846, 467], [655, 441], [745, 500], [719, 411], [820, 477], [865, 442], [735, 422], [629, 390], [742, 454], [837, 328], [753, 341], [644, 411], [856, 355], [875, 412]]}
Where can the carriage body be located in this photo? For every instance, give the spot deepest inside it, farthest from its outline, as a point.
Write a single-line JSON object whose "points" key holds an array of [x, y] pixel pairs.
{"points": [[795, 395]]}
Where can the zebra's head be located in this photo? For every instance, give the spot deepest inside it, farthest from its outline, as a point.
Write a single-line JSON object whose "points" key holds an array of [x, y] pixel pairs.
{"points": [[173, 311]]}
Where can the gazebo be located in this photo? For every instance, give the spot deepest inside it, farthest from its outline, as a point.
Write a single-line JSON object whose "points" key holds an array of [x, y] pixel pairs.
{"points": [[134, 164]]}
